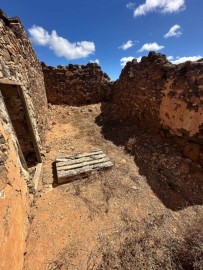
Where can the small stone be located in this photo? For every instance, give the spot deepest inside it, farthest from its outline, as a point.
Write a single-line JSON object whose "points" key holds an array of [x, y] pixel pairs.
{"points": [[2, 194], [135, 187], [48, 149], [192, 151], [2, 140]]}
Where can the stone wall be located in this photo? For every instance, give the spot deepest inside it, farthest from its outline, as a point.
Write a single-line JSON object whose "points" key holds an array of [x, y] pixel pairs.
{"points": [[18, 65], [161, 95], [18, 62], [76, 85]]}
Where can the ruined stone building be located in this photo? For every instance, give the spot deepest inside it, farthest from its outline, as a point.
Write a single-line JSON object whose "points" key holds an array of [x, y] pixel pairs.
{"points": [[163, 97]]}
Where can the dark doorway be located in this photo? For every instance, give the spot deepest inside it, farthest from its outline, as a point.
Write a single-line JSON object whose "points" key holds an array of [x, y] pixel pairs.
{"points": [[18, 112]]}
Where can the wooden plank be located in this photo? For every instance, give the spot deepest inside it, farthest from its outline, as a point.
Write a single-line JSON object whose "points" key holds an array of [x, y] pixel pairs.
{"points": [[80, 160], [85, 169], [70, 168], [37, 176], [92, 162], [68, 177], [80, 155]]}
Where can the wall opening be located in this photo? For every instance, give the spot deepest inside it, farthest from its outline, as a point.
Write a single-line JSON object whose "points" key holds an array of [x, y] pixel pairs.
{"points": [[18, 112]]}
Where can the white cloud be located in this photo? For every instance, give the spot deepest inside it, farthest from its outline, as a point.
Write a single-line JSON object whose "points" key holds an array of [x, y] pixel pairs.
{"points": [[170, 57], [124, 60], [162, 6], [59, 45], [151, 47], [139, 59], [183, 59], [95, 61], [39, 35], [174, 31], [131, 5], [127, 45]]}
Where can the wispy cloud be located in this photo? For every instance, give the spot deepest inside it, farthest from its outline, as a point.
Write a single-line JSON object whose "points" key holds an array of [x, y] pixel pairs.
{"points": [[174, 31], [59, 45], [131, 5], [127, 45], [162, 6], [179, 60], [124, 60], [95, 61], [151, 47]]}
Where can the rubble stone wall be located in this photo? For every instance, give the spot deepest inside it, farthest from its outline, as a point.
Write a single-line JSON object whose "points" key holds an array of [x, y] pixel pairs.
{"points": [[18, 63], [76, 85], [162, 95]]}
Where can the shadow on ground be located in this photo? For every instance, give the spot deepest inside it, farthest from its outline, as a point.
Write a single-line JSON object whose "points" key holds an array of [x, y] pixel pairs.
{"points": [[176, 181]]}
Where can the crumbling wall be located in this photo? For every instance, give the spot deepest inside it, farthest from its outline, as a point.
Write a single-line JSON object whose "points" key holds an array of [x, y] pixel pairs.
{"points": [[161, 95], [76, 85], [14, 201], [18, 62]]}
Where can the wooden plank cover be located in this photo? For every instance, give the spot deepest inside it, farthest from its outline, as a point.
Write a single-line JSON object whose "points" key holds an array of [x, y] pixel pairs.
{"points": [[70, 168]]}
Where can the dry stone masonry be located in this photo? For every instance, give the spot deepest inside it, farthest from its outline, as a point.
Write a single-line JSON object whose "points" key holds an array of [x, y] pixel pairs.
{"points": [[18, 62], [76, 85], [161, 95]]}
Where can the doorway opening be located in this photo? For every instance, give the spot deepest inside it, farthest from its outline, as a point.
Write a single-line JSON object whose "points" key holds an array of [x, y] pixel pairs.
{"points": [[18, 112]]}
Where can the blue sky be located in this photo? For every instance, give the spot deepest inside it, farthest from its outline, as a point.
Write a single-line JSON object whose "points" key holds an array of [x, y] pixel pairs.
{"points": [[110, 31]]}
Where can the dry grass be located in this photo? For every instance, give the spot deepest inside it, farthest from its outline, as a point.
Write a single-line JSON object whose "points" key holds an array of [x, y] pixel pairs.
{"points": [[148, 249], [142, 248]]}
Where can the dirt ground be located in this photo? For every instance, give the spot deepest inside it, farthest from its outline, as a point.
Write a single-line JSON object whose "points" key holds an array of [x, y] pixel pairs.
{"points": [[75, 225]]}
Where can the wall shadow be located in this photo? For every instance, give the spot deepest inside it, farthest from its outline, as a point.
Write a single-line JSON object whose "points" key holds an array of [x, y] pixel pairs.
{"points": [[175, 180]]}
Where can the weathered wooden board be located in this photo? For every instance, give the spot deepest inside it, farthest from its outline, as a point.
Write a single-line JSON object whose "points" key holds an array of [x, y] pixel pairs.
{"points": [[37, 176], [70, 168]]}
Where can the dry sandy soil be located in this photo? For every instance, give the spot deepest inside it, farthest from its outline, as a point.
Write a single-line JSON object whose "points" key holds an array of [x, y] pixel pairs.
{"points": [[88, 223]]}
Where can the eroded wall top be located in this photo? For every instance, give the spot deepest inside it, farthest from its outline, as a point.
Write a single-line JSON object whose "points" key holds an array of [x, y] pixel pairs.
{"points": [[162, 95], [76, 85]]}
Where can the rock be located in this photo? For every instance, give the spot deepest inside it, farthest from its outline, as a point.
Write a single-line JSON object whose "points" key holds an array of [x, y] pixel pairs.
{"points": [[135, 188], [2, 194], [48, 149], [192, 151]]}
